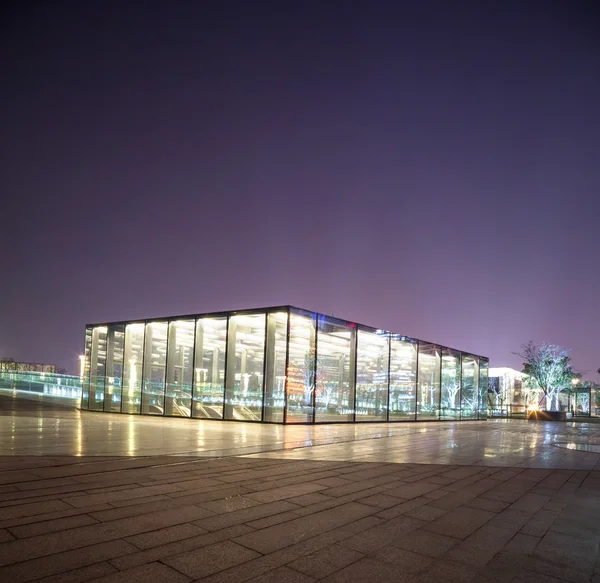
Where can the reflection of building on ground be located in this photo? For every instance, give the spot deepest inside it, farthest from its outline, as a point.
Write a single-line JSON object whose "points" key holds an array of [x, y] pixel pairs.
{"points": [[281, 365], [10, 365], [511, 392]]}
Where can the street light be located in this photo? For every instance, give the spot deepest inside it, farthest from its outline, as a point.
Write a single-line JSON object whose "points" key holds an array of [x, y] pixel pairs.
{"points": [[574, 382]]}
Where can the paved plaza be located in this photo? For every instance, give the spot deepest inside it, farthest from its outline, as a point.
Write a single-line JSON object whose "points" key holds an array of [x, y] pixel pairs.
{"points": [[101, 497]]}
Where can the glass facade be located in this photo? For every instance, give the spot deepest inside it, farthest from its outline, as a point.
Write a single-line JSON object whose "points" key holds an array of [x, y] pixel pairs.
{"points": [[277, 365]]}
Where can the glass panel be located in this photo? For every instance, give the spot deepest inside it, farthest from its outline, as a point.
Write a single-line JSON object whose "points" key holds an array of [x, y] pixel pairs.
{"points": [[483, 388], [245, 367], [98, 368], [209, 371], [180, 368], [372, 366], [132, 373], [155, 359], [403, 378], [428, 401], [336, 358], [114, 368], [301, 367], [450, 384], [470, 384], [84, 370], [275, 367]]}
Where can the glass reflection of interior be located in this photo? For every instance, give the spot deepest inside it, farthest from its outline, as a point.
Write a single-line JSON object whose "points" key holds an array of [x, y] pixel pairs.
{"points": [[209, 368], [98, 368], [403, 377], [428, 400], [277, 324], [234, 367], [450, 399], [372, 364], [114, 368], [483, 388], [155, 360], [180, 368], [132, 375], [85, 382], [301, 367], [334, 396], [245, 367], [470, 387]]}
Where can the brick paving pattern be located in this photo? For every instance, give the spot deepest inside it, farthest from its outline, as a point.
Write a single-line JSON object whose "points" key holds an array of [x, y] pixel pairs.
{"points": [[240, 519]]}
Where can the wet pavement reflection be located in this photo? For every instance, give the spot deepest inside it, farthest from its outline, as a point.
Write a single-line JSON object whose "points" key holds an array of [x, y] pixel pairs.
{"points": [[55, 428]]}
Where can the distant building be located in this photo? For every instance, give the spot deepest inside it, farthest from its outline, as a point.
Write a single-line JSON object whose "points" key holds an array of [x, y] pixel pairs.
{"points": [[8, 365], [277, 365]]}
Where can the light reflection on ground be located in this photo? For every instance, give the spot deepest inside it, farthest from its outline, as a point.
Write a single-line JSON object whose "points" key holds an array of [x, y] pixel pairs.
{"points": [[42, 430]]}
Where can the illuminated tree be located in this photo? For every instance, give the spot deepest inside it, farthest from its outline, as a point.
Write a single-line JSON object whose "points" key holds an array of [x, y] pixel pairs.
{"points": [[7, 363], [549, 367]]}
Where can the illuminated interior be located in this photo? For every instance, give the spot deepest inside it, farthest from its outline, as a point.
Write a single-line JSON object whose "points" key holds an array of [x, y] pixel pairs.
{"points": [[277, 365]]}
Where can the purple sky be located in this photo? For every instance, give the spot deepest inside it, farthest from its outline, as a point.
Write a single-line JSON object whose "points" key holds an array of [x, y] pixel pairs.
{"points": [[432, 168]]}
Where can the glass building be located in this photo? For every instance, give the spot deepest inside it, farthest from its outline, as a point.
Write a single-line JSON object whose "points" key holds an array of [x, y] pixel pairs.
{"points": [[277, 365]]}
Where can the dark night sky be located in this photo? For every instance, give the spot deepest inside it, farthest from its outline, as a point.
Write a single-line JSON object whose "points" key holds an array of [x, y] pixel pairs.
{"points": [[432, 168]]}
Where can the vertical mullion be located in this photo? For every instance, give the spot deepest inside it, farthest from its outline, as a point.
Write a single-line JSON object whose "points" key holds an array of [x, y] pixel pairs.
{"points": [[461, 388], [355, 371], [389, 374], [226, 358], [264, 375], [193, 391], [314, 391], [439, 350], [143, 368], [287, 363], [417, 381], [166, 367]]}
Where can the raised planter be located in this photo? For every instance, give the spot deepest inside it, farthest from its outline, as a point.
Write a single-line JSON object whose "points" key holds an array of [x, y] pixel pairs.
{"points": [[547, 415]]}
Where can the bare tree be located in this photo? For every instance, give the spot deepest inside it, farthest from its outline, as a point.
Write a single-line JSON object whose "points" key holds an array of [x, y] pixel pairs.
{"points": [[549, 366]]}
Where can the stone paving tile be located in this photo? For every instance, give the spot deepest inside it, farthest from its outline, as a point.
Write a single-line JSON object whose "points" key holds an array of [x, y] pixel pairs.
{"points": [[276, 537], [285, 492], [282, 575], [32, 509], [539, 523], [49, 516], [65, 561], [5, 535], [325, 561], [39, 546], [229, 504], [383, 534], [408, 491], [166, 535], [369, 569], [245, 515], [81, 574], [380, 501], [149, 573], [210, 559], [426, 512], [178, 547], [567, 551], [48, 526], [460, 522], [449, 572], [308, 499], [487, 504], [479, 548], [425, 543], [284, 556], [404, 560]]}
